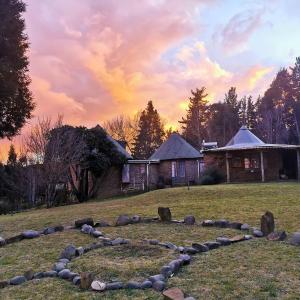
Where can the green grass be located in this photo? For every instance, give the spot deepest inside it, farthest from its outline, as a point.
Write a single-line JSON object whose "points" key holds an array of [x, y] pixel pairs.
{"points": [[256, 269]]}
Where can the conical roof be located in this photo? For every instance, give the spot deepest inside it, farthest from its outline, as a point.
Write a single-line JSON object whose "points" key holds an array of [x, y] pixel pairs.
{"points": [[245, 137], [175, 147]]}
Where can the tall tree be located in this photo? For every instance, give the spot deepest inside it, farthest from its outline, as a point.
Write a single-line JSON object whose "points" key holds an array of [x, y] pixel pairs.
{"points": [[16, 102], [12, 156], [194, 125], [150, 133]]}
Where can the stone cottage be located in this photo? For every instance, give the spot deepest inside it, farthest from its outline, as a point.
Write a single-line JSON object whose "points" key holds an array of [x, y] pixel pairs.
{"points": [[246, 158]]}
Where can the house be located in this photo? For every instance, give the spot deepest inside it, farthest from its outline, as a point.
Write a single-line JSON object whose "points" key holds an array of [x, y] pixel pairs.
{"points": [[246, 158]]}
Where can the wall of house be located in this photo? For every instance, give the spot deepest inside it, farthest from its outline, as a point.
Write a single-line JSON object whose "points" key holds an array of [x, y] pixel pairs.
{"points": [[238, 173]]}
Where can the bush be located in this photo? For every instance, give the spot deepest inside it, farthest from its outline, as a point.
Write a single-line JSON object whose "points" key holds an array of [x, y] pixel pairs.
{"points": [[213, 174], [207, 180]]}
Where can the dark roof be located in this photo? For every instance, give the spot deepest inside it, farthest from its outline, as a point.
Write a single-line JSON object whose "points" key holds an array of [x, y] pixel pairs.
{"points": [[244, 139], [119, 147], [175, 147]]}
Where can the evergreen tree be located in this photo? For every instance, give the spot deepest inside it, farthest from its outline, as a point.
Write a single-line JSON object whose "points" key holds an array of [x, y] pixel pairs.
{"points": [[12, 156], [15, 98], [150, 133], [251, 120], [194, 126]]}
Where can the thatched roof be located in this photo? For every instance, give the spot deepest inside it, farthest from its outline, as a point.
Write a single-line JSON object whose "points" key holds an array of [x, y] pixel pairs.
{"points": [[175, 147]]}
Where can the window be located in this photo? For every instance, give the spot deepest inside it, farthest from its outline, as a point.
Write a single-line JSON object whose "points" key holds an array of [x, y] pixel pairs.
{"points": [[181, 169], [174, 169], [247, 163], [254, 163], [126, 174], [251, 163], [142, 169]]}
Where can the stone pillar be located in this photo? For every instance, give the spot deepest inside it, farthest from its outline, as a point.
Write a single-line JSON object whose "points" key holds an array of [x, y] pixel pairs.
{"points": [[298, 163], [262, 167], [227, 167]]}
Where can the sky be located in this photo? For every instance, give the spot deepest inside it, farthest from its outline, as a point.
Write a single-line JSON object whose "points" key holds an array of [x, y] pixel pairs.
{"points": [[93, 60]]}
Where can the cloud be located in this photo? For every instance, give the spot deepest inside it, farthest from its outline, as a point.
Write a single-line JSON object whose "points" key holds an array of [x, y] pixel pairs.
{"points": [[234, 36]]}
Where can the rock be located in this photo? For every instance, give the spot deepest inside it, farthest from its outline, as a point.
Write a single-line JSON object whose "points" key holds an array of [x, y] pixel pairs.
{"points": [[189, 298], [224, 241], [212, 245], [200, 247], [3, 284], [102, 223], [59, 228], [189, 220], [14, 239], [185, 258], [235, 225], [76, 280], [208, 223], [48, 230], [29, 274], [165, 214], [159, 285], [98, 286], [17, 280], [136, 219], [245, 227], [166, 271], [81, 222], [248, 237], [88, 229], [277, 236], [79, 251], [50, 274], [158, 277], [153, 242], [147, 284], [180, 249], [237, 238], [69, 252], [123, 220], [117, 241], [267, 224], [221, 223], [173, 294], [133, 285], [97, 233], [2, 241], [114, 286], [190, 250], [38, 275], [64, 260], [65, 274], [86, 280], [170, 245], [30, 234], [175, 265], [295, 239], [258, 233]]}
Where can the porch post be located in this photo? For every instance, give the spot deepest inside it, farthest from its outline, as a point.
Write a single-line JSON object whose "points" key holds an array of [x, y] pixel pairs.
{"points": [[147, 174], [262, 168], [298, 163], [227, 168]]}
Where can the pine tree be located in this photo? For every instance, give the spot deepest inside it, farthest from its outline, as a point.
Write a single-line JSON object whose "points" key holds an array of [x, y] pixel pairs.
{"points": [[12, 156], [194, 126], [150, 133], [15, 98], [251, 120]]}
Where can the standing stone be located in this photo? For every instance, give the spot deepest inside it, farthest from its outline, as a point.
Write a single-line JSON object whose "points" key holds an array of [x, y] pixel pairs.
{"points": [[189, 220], [165, 214], [295, 239], [86, 280], [267, 223], [123, 220], [173, 294], [81, 222], [29, 274]]}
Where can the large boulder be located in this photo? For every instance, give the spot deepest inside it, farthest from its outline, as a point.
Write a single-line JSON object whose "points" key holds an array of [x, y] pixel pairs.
{"points": [[189, 220], [123, 220], [295, 239], [165, 214], [173, 294], [69, 252], [81, 222], [86, 280], [267, 224]]}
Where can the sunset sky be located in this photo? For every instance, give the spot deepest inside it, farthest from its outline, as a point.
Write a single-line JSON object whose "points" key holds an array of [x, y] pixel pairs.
{"points": [[95, 59]]}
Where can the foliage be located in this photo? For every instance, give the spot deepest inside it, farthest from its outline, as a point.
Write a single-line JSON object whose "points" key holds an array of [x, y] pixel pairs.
{"points": [[16, 101], [194, 124], [150, 133], [12, 156], [207, 180], [212, 175]]}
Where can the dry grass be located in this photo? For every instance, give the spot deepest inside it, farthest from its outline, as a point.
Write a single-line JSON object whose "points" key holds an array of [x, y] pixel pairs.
{"points": [[256, 269]]}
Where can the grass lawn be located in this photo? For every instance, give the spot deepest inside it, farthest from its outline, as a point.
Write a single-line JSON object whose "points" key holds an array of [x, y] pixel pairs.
{"points": [[256, 269]]}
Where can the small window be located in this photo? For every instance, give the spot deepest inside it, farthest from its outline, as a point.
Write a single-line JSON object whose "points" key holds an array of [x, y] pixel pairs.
{"points": [[254, 163], [126, 174], [142, 169], [247, 163], [181, 169], [174, 171]]}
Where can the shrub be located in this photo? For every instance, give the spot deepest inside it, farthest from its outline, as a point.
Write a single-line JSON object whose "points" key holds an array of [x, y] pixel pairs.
{"points": [[213, 173], [207, 180]]}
